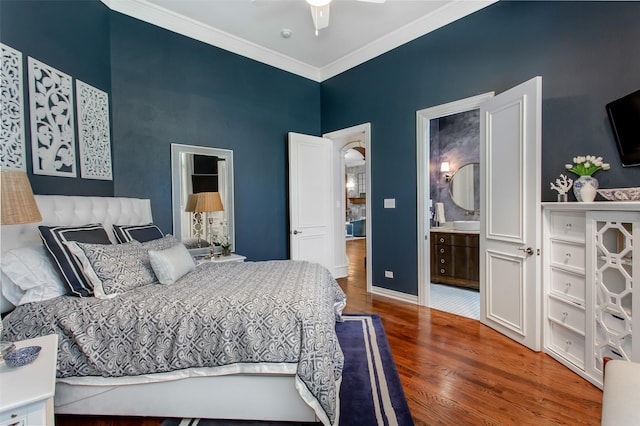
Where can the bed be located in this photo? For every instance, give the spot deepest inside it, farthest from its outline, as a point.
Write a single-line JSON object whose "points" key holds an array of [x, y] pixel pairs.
{"points": [[293, 374]]}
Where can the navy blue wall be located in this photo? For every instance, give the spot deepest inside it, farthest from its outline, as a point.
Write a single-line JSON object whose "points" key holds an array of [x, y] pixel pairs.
{"points": [[588, 54], [167, 88], [72, 37]]}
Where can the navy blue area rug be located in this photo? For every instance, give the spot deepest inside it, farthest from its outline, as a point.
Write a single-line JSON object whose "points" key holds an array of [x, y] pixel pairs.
{"points": [[371, 393]]}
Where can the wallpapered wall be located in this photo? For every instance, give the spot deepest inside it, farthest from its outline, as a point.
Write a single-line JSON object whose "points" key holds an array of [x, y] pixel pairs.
{"points": [[72, 37], [586, 52], [167, 88], [456, 139]]}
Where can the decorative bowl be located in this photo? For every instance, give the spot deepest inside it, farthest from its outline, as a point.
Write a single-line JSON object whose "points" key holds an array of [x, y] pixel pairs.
{"points": [[22, 356], [620, 194]]}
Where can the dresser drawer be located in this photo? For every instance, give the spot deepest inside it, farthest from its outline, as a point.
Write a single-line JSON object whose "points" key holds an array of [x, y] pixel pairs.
{"points": [[568, 284], [568, 255], [568, 314], [567, 343], [568, 225], [455, 239]]}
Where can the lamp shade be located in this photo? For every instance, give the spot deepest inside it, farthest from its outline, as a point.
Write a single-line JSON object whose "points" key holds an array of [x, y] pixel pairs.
{"points": [[444, 167], [18, 203], [191, 203], [209, 202]]}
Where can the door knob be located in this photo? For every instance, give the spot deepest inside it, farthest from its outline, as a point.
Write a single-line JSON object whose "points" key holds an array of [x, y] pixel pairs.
{"points": [[527, 250], [296, 232]]}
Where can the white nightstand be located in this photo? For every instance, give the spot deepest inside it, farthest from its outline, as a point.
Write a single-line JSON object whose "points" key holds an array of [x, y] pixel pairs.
{"points": [[26, 393], [233, 257]]}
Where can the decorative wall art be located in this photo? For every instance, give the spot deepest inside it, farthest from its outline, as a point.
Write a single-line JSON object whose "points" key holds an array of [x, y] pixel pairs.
{"points": [[12, 145], [94, 137], [52, 131]]}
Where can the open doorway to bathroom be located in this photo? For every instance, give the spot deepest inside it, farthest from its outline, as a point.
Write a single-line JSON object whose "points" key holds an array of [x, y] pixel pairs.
{"points": [[455, 190], [449, 204]]}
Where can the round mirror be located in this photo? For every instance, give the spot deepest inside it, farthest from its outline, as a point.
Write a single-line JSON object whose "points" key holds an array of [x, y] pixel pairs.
{"points": [[464, 187]]}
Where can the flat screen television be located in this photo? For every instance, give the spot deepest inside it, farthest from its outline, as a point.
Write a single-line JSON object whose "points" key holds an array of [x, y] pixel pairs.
{"points": [[624, 115]]}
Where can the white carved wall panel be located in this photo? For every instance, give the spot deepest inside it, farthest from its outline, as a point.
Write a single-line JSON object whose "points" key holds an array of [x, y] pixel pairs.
{"points": [[52, 127], [12, 142], [94, 136]]}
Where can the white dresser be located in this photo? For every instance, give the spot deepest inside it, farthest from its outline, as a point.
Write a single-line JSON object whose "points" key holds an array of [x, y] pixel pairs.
{"points": [[26, 393], [588, 282]]}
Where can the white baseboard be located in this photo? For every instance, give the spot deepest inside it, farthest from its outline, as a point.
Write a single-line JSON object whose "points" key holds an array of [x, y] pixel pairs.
{"points": [[404, 297], [340, 271]]}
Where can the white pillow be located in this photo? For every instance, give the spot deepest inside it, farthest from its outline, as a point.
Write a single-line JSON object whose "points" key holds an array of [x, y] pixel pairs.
{"points": [[32, 276], [171, 264]]}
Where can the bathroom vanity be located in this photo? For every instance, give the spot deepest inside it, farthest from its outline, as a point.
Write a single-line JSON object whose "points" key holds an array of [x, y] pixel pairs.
{"points": [[455, 257]]}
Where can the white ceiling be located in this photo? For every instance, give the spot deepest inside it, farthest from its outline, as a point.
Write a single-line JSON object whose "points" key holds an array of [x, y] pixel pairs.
{"points": [[357, 32]]}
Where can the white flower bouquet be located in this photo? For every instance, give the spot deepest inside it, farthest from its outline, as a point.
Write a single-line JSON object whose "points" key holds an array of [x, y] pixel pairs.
{"points": [[587, 165]]}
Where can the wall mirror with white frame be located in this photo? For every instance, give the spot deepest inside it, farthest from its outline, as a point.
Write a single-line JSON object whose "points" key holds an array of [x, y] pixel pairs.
{"points": [[196, 170]]}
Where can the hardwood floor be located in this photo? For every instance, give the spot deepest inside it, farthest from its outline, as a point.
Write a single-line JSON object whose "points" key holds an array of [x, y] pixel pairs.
{"points": [[454, 370]]}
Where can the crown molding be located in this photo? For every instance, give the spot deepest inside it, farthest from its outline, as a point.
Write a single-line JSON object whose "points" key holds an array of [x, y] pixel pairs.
{"points": [[421, 26], [159, 16]]}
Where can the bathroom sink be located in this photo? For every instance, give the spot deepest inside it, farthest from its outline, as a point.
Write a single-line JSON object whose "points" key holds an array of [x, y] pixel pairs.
{"points": [[466, 225]]}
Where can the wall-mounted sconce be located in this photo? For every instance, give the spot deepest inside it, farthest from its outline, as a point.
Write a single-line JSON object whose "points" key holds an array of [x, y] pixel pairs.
{"points": [[351, 184], [444, 168]]}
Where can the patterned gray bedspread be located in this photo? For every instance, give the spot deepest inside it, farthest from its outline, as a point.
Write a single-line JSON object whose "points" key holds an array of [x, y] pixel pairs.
{"points": [[220, 314]]}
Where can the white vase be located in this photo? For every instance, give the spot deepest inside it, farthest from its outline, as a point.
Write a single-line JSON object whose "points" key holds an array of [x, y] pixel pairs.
{"points": [[585, 188]]}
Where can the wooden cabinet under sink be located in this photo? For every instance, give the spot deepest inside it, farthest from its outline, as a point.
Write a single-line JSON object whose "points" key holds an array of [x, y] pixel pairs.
{"points": [[455, 259]]}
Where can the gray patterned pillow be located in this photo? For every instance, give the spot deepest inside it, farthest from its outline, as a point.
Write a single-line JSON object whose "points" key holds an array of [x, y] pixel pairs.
{"points": [[163, 243], [118, 268]]}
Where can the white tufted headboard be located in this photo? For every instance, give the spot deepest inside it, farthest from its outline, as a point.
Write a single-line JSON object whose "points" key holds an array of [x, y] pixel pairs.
{"points": [[75, 210]]}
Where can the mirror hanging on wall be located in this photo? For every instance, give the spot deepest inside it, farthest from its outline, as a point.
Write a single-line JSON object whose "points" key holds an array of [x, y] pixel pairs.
{"points": [[464, 187], [202, 191]]}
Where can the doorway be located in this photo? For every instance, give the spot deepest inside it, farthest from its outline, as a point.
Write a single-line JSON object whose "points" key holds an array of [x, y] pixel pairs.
{"points": [[355, 206], [353, 212], [438, 163]]}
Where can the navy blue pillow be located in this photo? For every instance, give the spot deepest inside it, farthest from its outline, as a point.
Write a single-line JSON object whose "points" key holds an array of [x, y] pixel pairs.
{"points": [[140, 233], [53, 238]]}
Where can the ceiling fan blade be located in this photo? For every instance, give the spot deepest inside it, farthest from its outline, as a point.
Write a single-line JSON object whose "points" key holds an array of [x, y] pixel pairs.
{"points": [[320, 15]]}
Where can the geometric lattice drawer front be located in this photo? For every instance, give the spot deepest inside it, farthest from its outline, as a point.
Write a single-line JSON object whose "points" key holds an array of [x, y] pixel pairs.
{"points": [[614, 287]]}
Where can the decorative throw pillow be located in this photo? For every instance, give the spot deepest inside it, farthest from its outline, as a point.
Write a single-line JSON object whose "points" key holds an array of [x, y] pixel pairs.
{"points": [[141, 233], [171, 264], [161, 243], [117, 268], [31, 276], [54, 237]]}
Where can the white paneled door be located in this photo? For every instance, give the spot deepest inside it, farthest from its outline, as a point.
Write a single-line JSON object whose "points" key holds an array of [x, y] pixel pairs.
{"points": [[510, 141], [310, 199]]}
